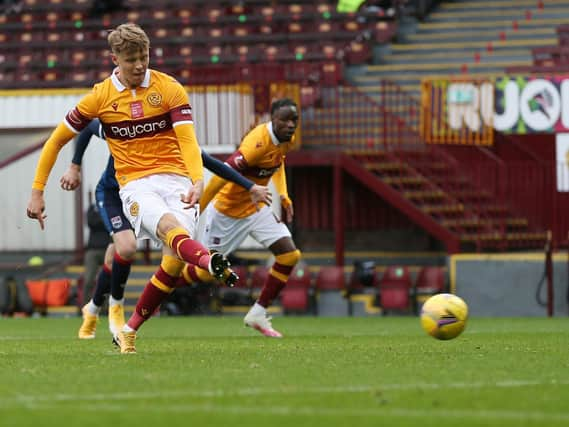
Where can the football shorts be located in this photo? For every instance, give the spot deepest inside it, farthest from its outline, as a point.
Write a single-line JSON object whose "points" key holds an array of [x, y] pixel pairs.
{"points": [[146, 200], [110, 209], [224, 234]]}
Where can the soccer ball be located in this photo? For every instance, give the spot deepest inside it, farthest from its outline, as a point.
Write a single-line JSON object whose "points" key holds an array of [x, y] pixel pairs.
{"points": [[444, 316]]}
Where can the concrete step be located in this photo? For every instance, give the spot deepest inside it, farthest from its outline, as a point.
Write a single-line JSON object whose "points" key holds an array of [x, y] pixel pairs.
{"points": [[441, 67], [475, 44], [505, 4], [498, 24], [492, 15], [481, 34], [456, 56]]}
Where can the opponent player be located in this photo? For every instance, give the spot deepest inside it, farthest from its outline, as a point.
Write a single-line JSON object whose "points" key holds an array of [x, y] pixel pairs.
{"points": [[232, 216], [149, 127], [120, 254]]}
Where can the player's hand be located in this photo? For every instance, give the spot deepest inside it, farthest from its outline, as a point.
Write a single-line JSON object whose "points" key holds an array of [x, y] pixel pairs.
{"points": [[260, 194], [288, 211], [71, 178], [36, 207], [193, 195]]}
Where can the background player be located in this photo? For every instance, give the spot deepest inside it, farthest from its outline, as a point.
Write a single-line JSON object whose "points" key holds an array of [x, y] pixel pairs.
{"points": [[232, 216]]}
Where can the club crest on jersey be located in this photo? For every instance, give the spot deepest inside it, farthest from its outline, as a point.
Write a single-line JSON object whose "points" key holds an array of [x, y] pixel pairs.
{"points": [[115, 106], [134, 208], [154, 99], [116, 222]]}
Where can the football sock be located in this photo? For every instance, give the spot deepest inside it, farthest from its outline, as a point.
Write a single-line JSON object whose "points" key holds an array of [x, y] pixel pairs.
{"points": [[102, 287], [257, 310], [92, 308], [278, 275], [161, 285], [119, 276], [113, 302], [193, 274], [187, 249]]}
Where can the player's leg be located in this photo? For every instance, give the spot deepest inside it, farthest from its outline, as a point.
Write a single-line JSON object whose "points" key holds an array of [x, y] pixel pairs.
{"points": [[275, 235], [161, 285], [125, 250], [91, 309], [153, 206]]}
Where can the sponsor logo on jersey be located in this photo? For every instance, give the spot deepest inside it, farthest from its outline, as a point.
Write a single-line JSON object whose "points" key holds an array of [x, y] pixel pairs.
{"points": [[266, 172], [115, 106], [134, 208], [116, 222], [136, 110], [154, 99], [138, 129]]}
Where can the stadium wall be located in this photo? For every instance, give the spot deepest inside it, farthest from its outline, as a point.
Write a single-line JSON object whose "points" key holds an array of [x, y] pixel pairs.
{"points": [[505, 285], [229, 113], [222, 114]]}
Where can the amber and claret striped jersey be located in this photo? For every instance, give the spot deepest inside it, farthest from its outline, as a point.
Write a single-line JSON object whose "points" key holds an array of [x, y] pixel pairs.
{"points": [[259, 157], [139, 125]]}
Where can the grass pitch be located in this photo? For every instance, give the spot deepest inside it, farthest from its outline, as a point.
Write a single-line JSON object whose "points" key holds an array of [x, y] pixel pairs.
{"points": [[200, 371]]}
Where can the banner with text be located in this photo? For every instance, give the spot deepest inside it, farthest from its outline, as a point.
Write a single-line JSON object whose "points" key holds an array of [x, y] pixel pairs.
{"points": [[509, 104]]}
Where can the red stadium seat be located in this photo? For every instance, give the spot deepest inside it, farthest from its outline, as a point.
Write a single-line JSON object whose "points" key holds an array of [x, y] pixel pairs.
{"points": [[330, 288], [431, 280], [295, 296], [259, 276], [330, 278], [240, 294], [395, 288]]}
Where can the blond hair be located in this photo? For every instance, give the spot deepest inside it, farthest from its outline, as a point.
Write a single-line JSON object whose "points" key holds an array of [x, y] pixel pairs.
{"points": [[128, 38]]}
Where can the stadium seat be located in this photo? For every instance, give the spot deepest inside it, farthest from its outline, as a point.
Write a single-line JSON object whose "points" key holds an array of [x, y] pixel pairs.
{"points": [[49, 292], [431, 280], [295, 296], [395, 288], [259, 276], [240, 294], [330, 287]]}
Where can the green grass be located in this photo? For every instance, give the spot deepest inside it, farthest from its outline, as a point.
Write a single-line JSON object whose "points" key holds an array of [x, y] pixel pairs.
{"points": [[200, 371]]}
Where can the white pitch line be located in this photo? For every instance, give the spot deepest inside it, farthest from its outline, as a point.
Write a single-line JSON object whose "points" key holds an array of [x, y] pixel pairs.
{"points": [[280, 410], [27, 399]]}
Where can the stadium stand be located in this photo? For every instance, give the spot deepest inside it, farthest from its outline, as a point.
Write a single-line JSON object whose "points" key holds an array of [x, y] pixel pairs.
{"points": [[67, 40], [359, 100]]}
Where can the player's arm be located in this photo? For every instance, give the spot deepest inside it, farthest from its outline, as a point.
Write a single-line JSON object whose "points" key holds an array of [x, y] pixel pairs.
{"points": [[259, 193], [75, 121], [192, 159], [59, 137], [72, 177], [183, 124], [279, 179]]}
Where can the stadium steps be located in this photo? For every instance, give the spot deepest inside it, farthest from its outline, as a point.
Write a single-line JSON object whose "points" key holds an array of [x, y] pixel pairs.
{"points": [[470, 38], [439, 190]]}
